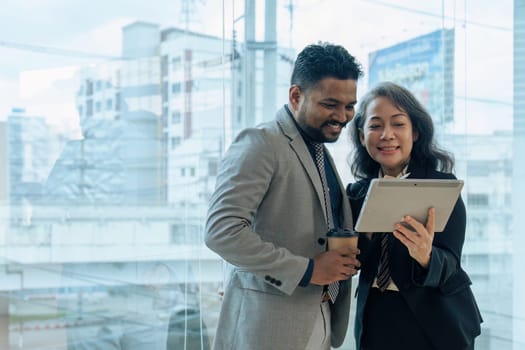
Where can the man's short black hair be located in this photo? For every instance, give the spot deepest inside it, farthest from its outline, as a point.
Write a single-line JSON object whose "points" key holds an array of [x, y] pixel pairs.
{"points": [[324, 60]]}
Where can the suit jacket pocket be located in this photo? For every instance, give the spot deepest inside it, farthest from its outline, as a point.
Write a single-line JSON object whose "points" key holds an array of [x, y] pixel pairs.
{"points": [[456, 283], [247, 280]]}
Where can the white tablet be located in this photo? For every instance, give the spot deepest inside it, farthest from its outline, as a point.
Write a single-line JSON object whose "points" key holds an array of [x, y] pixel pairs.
{"points": [[388, 200]]}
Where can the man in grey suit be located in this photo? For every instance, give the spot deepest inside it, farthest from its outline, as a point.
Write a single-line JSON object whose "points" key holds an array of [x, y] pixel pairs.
{"points": [[270, 214]]}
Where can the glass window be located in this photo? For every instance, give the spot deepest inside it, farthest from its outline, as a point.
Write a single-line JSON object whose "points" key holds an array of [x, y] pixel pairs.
{"points": [[89, 108], [175, 141], [102, 214], [89, 87], [478, 199], [175, 117], [176, 88]]}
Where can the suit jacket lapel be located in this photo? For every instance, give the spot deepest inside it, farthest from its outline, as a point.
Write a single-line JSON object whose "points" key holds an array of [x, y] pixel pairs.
{"points": [[298, 145]]}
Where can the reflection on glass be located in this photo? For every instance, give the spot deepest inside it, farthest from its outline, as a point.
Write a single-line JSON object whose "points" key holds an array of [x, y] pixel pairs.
{"points": [[112, 126]]}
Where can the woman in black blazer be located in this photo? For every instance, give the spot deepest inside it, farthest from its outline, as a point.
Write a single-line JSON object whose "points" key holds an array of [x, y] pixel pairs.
{"points": [[422, 297]]}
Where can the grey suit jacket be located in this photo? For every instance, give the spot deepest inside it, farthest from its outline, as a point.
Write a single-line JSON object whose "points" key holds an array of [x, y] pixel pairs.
{"points": [[267, 218]]}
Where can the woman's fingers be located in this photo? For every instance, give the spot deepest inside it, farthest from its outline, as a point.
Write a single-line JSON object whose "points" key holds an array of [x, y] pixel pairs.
{"points": [[431, 220], [417, 237]]}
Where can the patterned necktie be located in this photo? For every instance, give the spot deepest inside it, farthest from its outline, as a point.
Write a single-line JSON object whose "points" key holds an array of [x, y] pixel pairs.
{"points": [[333, 288], [383, 272]]}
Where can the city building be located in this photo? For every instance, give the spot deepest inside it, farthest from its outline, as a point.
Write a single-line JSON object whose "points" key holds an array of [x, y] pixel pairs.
{"points": [[31, 147], [188, 82]]}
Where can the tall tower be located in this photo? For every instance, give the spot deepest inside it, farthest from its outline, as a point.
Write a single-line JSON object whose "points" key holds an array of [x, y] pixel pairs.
{"points": [[269, 49], [188, 12]]}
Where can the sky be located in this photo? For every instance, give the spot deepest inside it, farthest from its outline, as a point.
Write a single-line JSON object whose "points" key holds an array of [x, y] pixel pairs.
{"points": [[59, 35]]}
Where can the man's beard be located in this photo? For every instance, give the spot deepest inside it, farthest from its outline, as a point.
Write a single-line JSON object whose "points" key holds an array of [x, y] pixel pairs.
{"points": [[314, 134]]}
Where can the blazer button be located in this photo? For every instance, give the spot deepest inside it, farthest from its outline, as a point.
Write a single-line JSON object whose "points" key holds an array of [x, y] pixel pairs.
{"points": [[321, 241], [268, 278], [272, 280], [278, 283]]}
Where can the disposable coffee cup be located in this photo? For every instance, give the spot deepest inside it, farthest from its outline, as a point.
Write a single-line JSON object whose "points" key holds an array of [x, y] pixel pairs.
{"points": [[341, 238]]}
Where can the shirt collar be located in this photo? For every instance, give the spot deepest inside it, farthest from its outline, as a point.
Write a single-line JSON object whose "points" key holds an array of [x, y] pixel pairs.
{"points": [[402, 175]]}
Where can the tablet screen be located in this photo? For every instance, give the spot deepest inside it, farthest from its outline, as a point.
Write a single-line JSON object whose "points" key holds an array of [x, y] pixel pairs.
{"points": [[388, 200]]}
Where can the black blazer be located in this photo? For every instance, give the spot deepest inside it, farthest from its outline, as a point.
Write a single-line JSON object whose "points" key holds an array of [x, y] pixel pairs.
{"points": [[440, 298]]}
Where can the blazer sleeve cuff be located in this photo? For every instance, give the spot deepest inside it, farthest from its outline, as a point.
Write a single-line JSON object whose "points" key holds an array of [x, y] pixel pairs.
{"points": [[305, 281]]}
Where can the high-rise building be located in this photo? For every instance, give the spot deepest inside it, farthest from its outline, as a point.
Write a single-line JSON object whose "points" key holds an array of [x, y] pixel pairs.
{"points": [[425, 66], [4, 171], [30, 155], [120, 156], [188, 81]]}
